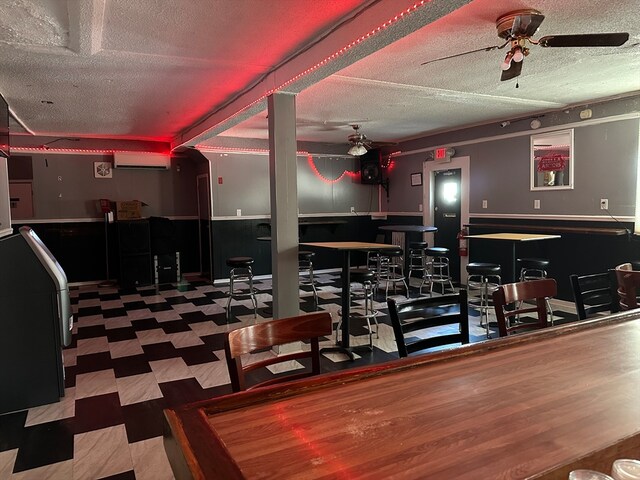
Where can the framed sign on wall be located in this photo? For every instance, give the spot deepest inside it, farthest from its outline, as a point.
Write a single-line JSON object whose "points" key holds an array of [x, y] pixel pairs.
{"points": [[416, 179]]}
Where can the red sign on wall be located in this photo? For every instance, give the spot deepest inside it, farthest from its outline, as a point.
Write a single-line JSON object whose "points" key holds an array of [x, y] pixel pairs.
{"points": [[552, 163]]}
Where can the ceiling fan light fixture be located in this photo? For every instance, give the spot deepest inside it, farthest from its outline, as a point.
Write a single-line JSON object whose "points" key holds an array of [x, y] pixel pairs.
{"points": [[518, 55], [507, 61], [357, 150]]}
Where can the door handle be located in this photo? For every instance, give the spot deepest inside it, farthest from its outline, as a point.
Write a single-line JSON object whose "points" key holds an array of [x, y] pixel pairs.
{"points": [[450, 215]]}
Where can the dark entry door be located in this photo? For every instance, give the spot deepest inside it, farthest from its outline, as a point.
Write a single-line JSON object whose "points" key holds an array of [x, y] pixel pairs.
{"points": [[447, 215]]}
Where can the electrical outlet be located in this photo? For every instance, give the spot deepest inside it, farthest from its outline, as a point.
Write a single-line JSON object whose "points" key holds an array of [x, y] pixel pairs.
{"points": [[604, 204], [536, 204], [239, 212], [484, 204], [419, 207], [353, 209]]}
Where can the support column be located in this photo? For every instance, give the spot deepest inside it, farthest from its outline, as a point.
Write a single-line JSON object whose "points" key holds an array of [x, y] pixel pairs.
{"points": [[284, 204]]}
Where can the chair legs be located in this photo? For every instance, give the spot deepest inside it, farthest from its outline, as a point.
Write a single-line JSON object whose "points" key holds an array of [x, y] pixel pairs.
{"points": [[241, 274], [368, 312], [536, 274], [485, 284], [306, 268]]}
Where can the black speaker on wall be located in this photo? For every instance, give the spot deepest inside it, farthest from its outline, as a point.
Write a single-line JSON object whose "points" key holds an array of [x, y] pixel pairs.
{"points": [[370, 169]]}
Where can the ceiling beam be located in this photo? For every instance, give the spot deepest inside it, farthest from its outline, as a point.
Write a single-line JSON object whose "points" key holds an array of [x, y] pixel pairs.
{"points": [[86, 22], [380, 24]]}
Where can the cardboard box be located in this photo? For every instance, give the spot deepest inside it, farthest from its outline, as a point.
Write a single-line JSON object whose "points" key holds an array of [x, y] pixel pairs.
{"points": [[129, 210]]}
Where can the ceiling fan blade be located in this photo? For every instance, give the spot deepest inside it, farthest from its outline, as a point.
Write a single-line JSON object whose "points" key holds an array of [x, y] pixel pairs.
{"points": [[585, 40], [485, 49], [514, 71]]}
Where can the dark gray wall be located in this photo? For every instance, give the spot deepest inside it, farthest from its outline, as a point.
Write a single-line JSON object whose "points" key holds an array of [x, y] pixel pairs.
{"points": [[606, 157], [245, 185], [402, 196]]}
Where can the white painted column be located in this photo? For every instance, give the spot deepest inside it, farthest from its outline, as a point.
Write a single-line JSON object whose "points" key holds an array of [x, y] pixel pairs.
{"points": [[284, 204]]}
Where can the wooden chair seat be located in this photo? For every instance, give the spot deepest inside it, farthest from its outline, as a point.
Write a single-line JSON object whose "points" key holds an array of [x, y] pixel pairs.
{"points": [[262, 336], [519, 293], [423, 313]]}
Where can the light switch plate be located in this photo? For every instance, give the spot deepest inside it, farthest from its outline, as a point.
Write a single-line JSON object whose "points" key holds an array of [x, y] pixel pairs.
{"points": [[536, 204], [484, 204]]}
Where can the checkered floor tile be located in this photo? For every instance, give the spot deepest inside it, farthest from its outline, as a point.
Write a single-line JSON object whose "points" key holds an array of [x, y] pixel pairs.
{"points": [[138, 351]]}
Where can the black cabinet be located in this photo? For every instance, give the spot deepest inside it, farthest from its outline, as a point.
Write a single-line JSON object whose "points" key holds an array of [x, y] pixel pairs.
{"points": [[134, 245]]}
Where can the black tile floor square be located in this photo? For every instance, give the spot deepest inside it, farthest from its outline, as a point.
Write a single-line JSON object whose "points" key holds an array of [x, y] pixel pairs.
{"points": [[160, 354]]}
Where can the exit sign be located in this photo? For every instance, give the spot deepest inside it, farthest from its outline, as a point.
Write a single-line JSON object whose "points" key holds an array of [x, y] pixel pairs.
{"points": [[441, 153]]}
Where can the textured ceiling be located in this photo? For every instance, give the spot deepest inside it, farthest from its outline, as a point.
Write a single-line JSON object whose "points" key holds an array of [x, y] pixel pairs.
{"points": [[152, 69], [393, 97]]}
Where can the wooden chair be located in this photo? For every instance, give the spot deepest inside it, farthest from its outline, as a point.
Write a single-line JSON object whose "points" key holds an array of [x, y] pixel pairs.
{"points": [[262, 336], [423, 313], [518, 293], [628, 286], [595, 293]]}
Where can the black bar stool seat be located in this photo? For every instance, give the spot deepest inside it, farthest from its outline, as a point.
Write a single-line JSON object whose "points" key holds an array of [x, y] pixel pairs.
{"points": [[239, 262], [483, 268], [533, 263]]}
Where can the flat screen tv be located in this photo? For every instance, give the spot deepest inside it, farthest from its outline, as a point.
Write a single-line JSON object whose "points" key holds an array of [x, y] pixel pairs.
{"points": [[4, 127]]}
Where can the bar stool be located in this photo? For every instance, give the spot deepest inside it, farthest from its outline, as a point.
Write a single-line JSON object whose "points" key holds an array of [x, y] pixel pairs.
{"points": [[305, 268], [439, 268], [418, 261], [391, 270], [535, 269], [484, 279], [362, 282], [241, 271]]}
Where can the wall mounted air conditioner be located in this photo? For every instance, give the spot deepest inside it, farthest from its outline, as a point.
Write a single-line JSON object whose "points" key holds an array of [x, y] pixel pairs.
{"points": [[142, 160]]}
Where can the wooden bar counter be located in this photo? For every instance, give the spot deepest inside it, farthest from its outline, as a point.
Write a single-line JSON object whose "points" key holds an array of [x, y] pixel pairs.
{"points": [[532, 406]]}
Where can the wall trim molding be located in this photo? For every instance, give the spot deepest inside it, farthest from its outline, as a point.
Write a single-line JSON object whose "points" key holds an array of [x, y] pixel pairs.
{"points": [[533, 216], [404, 214], [25, 221], [582, 123], [303, 215]]}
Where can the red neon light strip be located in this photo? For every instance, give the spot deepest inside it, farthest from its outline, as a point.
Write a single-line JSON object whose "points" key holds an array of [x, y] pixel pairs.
{"points": [[266, 152], [330, 58], [79, 150], [325, 179]]}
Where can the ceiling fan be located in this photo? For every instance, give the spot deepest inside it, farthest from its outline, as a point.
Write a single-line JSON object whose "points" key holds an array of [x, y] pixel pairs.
{"points": [[360, 144], [519, 26]]}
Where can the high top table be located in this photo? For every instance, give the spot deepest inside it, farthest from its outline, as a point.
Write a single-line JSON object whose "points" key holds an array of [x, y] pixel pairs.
{"points": [[529, 406], [513, 239], [408, 229], [346, 248]]}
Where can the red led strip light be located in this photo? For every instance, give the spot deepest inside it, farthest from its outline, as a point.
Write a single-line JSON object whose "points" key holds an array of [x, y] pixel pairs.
{"points": [[325, 179], [331, 57], [79, 150]]}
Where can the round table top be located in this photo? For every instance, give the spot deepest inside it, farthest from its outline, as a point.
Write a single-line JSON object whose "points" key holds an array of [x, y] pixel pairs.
{"points": [[409, 228]]}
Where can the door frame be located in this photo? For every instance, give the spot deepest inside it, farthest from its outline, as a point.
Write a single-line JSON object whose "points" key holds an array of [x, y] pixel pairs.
{"points": [[428, 197]]}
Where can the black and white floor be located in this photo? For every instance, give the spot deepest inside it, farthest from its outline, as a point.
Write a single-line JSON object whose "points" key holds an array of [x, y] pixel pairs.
{"points": [[136, 352]]}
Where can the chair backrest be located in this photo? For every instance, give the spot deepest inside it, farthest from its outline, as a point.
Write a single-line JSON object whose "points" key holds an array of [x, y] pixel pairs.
{"points": [[595, 293], [519, 293], [420, 314], [265, 335], [628, 286]]}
